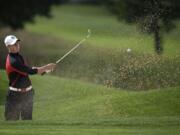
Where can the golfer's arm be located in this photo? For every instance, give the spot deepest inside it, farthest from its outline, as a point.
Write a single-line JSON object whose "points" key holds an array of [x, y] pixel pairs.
{"points": [[23, 69]]}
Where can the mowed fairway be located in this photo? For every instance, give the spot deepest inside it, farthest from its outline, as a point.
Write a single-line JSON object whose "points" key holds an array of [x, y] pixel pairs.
{"points": [[70, 107], [71, 22], [51, 129]]}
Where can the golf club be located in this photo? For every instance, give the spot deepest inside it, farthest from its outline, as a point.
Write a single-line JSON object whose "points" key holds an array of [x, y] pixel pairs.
{"points": [[70, 51]]}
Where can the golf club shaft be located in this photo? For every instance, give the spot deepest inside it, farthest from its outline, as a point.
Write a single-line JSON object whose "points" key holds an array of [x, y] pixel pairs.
{"points": [[48, 71], [70, 51], [89, 33]]}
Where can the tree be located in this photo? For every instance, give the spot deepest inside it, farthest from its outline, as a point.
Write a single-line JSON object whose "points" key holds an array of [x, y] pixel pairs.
{"points": [[155, 16], [14, 13], [84, 1]]}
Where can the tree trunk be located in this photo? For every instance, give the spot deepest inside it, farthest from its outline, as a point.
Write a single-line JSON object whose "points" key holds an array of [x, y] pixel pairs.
{"points": [[157, 38]]}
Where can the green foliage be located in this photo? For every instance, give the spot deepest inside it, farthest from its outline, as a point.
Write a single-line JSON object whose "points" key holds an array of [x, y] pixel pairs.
{"points": [[14, 13], [148, 10], [70, 24], [152, 15]]}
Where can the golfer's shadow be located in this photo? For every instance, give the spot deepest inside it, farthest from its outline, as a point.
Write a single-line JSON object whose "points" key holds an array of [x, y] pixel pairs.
{"points": [[3, 90]]}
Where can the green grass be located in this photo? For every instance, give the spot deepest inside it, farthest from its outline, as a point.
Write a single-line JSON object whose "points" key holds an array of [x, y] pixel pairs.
{"points": [[33, 129], [70, 22], [76, 130], [70, 107]]}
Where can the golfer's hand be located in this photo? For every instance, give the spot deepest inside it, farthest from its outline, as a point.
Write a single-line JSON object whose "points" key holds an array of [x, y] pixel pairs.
{"points": [[50, 67], [46, 69]]}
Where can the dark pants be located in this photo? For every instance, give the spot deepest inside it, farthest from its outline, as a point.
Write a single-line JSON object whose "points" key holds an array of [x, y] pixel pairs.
{"points": [[19, 105]]}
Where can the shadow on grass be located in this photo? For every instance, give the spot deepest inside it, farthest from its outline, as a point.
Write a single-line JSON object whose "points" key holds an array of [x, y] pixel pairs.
{"points": [[2, 97], [3, 87]]}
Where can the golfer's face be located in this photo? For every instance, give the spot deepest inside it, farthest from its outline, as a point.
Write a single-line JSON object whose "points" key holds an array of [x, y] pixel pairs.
{"points": [[17, 47]]}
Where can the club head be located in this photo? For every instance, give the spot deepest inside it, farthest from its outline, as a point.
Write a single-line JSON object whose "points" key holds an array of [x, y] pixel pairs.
{"points": [[89, 33]]}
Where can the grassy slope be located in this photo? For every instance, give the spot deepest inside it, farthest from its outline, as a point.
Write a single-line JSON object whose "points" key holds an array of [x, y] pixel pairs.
{"points": [[71, 98], [71, 23], [70, 107]]}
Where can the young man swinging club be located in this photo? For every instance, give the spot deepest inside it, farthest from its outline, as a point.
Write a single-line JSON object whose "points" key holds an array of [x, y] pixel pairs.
{"points": [[19, 100]]}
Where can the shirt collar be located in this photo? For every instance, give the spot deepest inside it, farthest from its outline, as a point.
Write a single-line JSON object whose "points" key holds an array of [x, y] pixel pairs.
{"points": [[14, 54]]}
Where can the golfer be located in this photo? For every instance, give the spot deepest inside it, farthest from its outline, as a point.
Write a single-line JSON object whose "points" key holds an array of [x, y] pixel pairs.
{"points": [[19, 100]]}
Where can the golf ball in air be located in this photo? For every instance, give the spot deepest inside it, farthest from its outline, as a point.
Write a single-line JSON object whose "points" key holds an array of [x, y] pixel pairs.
{"points": [[128, 50]]}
